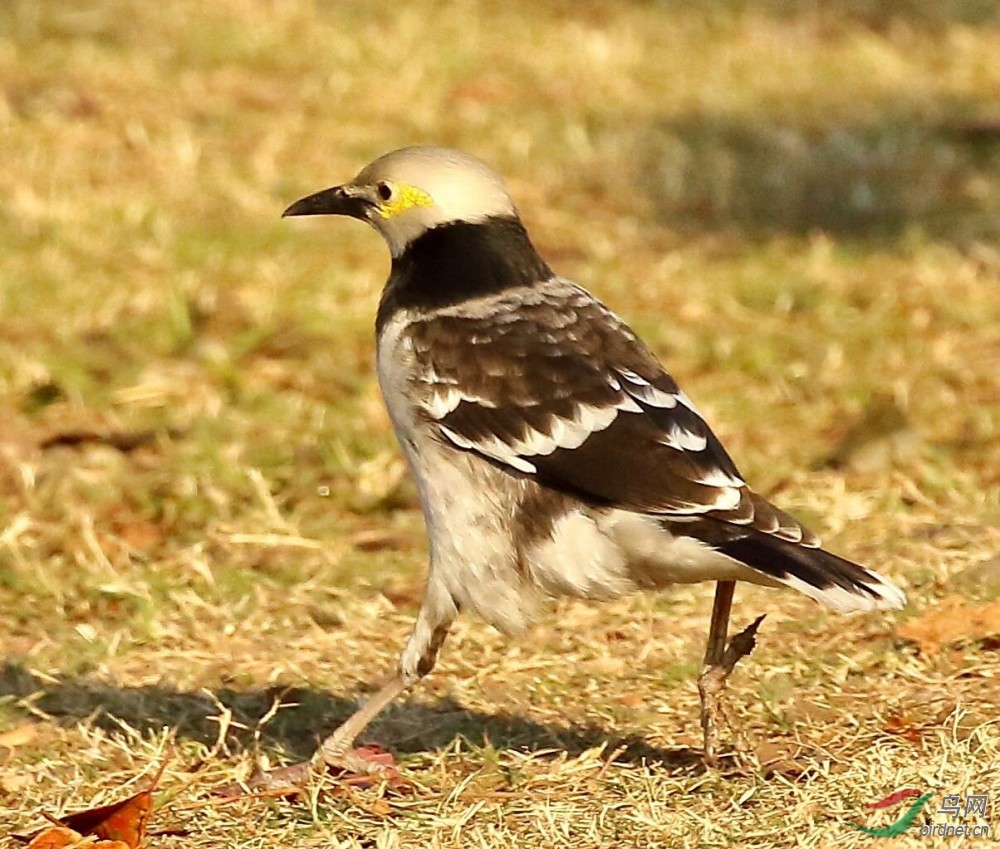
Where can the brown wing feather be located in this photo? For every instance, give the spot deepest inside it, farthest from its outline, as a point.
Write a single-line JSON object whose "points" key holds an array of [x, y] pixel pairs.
{"points": [[553, 384]]}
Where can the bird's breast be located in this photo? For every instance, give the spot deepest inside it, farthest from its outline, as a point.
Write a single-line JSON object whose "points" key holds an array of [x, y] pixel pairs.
{"points": [[394, 361]]}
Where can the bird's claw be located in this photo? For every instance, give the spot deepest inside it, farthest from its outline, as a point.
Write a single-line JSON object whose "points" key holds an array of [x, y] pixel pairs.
{"points": [[712, 682], [360, 767]]}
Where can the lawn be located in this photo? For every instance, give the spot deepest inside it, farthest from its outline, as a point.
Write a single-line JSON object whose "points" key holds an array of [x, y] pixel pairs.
{"points": [[207, 535]]}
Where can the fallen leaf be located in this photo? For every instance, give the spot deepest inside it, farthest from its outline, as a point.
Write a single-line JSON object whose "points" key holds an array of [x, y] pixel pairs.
{"points": [[120, 825], [954, 620], [60, 837], [55, 837], [123, 822]]}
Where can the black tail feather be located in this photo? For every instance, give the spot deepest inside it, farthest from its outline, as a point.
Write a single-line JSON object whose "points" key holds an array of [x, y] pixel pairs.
{"points": [[826, 577]]}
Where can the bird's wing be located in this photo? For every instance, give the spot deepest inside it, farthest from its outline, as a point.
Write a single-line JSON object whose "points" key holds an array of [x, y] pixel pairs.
{"points": [[549, 383]]}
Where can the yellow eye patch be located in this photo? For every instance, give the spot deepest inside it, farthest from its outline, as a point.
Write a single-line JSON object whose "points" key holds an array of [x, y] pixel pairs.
{"points": [[404, 198]]}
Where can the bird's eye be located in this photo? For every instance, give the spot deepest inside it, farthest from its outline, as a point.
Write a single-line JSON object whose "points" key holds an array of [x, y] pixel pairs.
{"points": [[384, 190]]}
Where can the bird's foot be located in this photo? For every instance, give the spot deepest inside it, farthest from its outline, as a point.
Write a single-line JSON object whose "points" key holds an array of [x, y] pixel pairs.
{"points": [[361, 767], [364, 765], [712, 682]]}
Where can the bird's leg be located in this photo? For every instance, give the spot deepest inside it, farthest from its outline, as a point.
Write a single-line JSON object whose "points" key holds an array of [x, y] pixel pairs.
{"points": [[336, 749], [718, 627], [720, 661], [713, 674], [418, 658]]}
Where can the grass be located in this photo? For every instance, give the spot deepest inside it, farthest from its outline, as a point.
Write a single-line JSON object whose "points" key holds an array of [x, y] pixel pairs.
{"points": [[797, 204]]}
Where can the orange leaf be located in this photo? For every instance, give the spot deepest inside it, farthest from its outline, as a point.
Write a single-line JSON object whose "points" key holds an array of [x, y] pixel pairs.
{"points": [[55, 837], [120, 825], [123, 821]]}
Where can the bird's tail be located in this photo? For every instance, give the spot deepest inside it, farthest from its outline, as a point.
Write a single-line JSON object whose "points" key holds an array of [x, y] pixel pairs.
{"points": [[825, 577]]}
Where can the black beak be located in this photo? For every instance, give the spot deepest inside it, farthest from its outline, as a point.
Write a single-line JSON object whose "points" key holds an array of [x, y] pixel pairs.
{"points": [[340, 200]]}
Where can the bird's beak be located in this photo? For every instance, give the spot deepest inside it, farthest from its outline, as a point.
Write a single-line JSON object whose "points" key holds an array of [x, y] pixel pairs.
{"points": [[339, 200]]}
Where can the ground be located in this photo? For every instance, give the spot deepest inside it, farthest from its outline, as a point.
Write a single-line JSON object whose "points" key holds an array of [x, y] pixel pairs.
{"points": [[204, 516]]}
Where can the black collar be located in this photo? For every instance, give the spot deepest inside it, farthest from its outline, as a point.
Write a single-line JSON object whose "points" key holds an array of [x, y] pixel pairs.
{"points": [[459, 261]]}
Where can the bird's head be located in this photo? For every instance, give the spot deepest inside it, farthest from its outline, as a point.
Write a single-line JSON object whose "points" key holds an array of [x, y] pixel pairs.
{"points": [[409, 191]]}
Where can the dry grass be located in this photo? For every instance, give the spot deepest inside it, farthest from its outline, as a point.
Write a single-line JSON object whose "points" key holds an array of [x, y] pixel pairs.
{"points": [[797, 204]]}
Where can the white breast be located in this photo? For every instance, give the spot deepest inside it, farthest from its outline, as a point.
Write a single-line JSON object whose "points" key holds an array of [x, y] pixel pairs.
{"points": [[467, 503]]}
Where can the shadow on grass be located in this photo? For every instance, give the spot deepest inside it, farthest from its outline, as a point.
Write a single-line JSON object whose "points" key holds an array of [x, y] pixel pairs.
{"points": [[874, 15], [407, 727], [863, 181]]}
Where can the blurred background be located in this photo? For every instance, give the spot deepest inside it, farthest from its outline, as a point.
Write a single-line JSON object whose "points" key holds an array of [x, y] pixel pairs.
{"points": [[797, 204]]}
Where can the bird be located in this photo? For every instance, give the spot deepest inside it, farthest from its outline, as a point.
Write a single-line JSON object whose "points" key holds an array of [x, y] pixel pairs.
{"points": [[553, 454]]}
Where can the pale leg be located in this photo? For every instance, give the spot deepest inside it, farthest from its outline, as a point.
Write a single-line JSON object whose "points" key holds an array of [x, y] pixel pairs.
{"points": [[437, 613]]}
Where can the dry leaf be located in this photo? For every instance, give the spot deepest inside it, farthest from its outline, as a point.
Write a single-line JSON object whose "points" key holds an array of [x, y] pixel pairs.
{"points": [[120, 825], [55, 837], [120, 822], [953, 621]]}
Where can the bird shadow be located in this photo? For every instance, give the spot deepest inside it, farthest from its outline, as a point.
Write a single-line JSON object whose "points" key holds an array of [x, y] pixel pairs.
{"points": [[306, 715]]}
